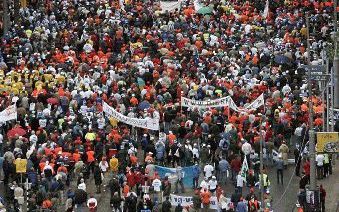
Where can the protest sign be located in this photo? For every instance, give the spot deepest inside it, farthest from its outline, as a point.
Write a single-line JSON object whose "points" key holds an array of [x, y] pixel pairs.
{"points": [[182, 200], [222, 102], [20, 165], [148, 123], [10, 113], [327, 142]]}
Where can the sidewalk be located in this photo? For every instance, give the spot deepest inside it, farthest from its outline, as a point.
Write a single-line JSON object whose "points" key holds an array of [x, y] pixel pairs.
{"points": [[331, 185]]}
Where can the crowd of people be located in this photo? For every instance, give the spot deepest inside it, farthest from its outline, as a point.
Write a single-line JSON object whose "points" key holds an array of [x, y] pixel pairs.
{"points": [[61, 60]]}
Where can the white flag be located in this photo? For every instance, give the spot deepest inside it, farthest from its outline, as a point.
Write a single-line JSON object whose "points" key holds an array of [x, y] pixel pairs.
{"points": [[265, 15], [244, 169]]}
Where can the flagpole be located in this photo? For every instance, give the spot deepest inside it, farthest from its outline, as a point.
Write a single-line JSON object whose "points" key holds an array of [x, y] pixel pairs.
{"points": [[261, 164]]}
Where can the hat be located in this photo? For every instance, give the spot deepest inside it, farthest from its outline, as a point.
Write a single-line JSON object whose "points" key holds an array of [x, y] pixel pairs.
{"points": [[213, 177], [150, 153]]}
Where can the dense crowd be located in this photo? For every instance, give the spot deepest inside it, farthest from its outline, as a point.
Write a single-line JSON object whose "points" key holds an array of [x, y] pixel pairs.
{"points": [[61, 60]]}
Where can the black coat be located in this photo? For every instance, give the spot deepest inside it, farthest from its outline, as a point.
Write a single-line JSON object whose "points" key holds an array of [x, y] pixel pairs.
{"points": [[166, 206], [97, 175]]}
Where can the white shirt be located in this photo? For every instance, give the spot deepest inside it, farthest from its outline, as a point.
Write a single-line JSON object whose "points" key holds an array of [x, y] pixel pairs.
{"points": [[156, 185], [240, 181], [208, 169], [204, 185], [213, 184], [195, 152], [101, 123], [33, 139], [1, 138], [82, 186], [320, 160], [103, 166]]}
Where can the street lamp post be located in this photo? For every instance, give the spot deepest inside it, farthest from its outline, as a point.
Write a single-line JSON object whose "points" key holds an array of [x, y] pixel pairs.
{"points": [[336, 59], [312, 191], [313, 183]]}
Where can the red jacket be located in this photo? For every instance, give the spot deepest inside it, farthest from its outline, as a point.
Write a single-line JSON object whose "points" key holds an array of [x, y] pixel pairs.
{"points": [[307, 168], [131, 179]]}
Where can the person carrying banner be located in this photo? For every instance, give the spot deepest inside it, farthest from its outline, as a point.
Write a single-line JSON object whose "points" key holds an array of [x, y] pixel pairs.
{"points": [[196, 173], [205, 196], [180, 176], [166, 205]]}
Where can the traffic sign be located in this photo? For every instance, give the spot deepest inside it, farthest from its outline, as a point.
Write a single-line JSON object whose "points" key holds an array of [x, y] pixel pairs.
{"points": [[315, 69], [320, 77]]}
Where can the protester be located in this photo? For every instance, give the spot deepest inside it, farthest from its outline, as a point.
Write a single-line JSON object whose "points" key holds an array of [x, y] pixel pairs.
{"points": [[280, 170]]}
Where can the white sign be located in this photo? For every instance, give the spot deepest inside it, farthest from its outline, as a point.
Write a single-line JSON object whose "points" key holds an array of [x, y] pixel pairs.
{"points": [[184, 201], [169, 5], [214, 203], [8, 114], [148, 123], [222, 102]]}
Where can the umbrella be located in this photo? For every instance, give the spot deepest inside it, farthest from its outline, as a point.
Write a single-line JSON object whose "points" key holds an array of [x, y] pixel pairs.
{"points": [[16, 131], [144, 105], [80, 196], [53, 101], [281, 59], [205, 10]]}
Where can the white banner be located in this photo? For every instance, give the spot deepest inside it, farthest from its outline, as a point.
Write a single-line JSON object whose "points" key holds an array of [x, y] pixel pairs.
{"points": [[148, 123], [184, 201], [8, 114], [169, 5], [222, 102], [256, 103]]}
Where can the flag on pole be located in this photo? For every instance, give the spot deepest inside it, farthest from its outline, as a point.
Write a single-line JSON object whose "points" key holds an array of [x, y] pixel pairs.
{"points": [[244, 169], [265, 15], [260, 101]]}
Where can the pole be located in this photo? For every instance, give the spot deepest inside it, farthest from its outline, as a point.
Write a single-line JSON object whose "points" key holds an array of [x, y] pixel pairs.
{"points": [[323, 95], [6, 18], [332, 100], [327, 97], [261, 166], [336, 59], [313, 183]]}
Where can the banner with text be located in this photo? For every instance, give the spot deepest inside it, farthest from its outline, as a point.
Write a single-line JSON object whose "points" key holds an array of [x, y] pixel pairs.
{"points": [[182, 200], [169, 5], [185, 201], [222, 102], [171, 174], [10, 113], [148, 123]]}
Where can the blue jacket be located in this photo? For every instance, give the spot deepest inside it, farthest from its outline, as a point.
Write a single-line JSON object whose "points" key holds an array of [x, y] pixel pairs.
{"points": [[241, 207], [32, 177], [196, 171]]}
